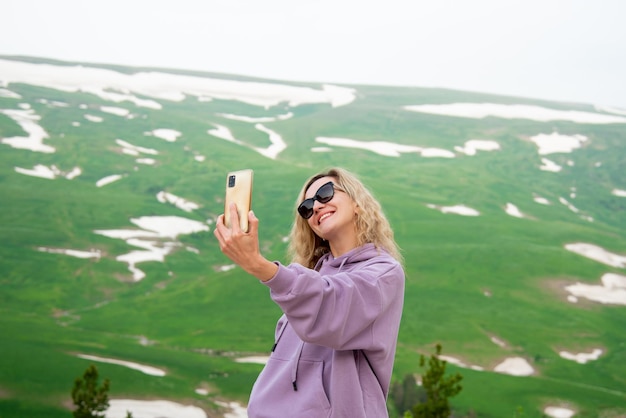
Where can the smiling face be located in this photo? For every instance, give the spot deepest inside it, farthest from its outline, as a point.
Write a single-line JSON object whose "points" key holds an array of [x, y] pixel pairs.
{"points": [[333, 220]]}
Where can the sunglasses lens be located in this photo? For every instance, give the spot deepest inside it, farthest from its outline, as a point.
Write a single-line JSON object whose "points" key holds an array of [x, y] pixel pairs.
{"points": [[306, 208], [324, 195]]}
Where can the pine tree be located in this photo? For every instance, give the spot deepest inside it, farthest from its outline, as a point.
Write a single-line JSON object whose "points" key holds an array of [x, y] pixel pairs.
{"points": [[406, 394], [90, 400], [439, 388]]}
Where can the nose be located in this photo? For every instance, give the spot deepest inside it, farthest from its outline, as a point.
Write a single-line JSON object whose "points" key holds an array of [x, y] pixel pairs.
{"points": [[317, 205]]}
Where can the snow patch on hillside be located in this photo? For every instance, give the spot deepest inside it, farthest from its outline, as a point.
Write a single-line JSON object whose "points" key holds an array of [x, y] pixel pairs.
{"points": [[179, 202], [109, 179], [390, 149], [169, 135], [379, 147], [597, 253], [277, 144], [611, 291], [581, 358], [114, 110], [9, 94], [119, 87], [387, 149], [156, 237], [119, 408], [559, 412], [50, 173], [472, 146], [514, 111], [457, 209], [74, 253], [513, 210], [557, 143], [27, 119], [549, 165], [149, 370], [515, 366], [459, 363], [611, 109], [253, 359], [250, 119], [94, 118]]}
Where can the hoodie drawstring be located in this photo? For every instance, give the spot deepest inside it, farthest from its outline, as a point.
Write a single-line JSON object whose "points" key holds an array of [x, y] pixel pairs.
{"points": [[341, 265], [280, 334], [294, 368], [295, 360]]}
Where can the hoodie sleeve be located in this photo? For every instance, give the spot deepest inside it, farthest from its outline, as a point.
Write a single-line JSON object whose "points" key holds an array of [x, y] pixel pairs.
{"points": [[356, 309]]}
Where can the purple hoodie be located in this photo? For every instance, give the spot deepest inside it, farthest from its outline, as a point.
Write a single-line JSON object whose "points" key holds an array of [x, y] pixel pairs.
{"points": [[335, 344]]}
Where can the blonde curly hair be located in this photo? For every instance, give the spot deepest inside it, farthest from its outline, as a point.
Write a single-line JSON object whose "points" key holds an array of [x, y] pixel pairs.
{"points": [[306, 248]]}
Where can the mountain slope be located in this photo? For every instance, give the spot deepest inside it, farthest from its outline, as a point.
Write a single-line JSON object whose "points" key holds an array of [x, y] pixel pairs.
{"points": [[509, 211]]}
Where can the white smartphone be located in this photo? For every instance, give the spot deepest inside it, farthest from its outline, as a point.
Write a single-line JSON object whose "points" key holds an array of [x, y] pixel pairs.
{"points": [[238, 191]]}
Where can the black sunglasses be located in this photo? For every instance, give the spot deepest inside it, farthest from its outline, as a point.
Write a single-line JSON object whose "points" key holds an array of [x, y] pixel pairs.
{"points": [[323, 195]]}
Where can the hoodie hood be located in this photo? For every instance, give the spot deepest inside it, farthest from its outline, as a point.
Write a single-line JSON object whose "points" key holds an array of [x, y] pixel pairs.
{"points": [[356, 255]]}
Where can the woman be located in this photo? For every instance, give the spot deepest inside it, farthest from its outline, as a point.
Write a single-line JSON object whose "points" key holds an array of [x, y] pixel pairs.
{"points": [[342, 300]]}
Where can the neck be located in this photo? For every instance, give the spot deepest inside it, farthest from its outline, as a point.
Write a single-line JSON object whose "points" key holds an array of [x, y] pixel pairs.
{"points": [[340, 247]]}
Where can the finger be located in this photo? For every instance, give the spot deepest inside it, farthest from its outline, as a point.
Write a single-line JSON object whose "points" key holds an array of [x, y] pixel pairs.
{"points": [[221, 231], [234, 219], [253, 223], [219, 224], [218, 234]]}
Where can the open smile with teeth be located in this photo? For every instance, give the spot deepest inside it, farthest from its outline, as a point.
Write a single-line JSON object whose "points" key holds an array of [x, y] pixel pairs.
{"points": [[323, 217]]}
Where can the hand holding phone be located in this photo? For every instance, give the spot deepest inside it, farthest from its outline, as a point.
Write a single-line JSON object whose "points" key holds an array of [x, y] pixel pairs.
{"points": [[239, 192]]}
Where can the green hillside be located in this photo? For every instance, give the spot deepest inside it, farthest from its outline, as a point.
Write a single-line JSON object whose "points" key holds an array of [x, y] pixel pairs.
{"points": [[487, 287]]}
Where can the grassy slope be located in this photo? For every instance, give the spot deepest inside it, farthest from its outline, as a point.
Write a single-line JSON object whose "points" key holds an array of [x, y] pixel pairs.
{"points": [[52, 306]]}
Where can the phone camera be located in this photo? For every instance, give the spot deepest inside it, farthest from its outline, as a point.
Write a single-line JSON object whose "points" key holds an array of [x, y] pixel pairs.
{"points": [[231, 181]]}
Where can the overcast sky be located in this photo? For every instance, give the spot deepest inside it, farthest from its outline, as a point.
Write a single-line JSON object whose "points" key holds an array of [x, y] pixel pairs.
{"points": [[567, 50]]}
